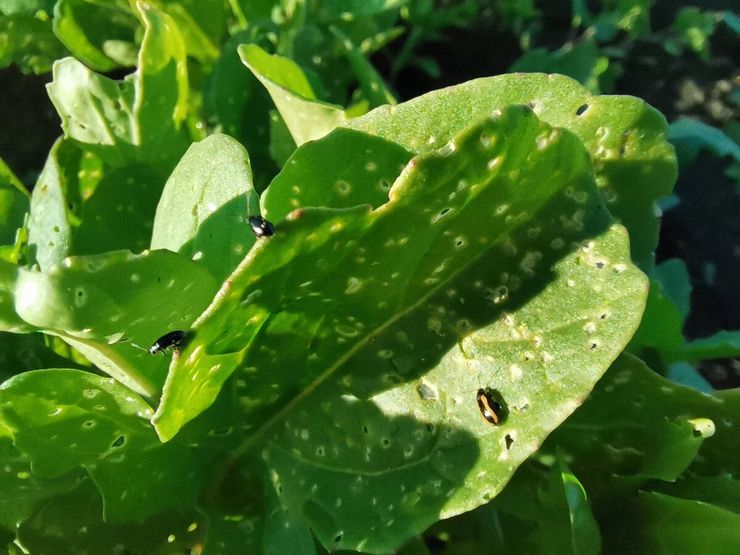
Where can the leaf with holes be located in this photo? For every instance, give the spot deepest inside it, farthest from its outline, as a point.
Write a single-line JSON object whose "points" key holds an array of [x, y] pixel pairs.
{"points": [[347, 168], [626, 138], [63, 419], [346, 318], [86, 531], [307, 118], [113, 307], [657, 431], [204, 206]]}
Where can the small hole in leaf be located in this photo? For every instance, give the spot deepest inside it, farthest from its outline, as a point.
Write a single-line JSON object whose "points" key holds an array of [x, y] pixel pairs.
{"points": [[386, 442], [88, 424], [366, 429], [118, 442], [581, 109], [509, 441], [338, 537]]}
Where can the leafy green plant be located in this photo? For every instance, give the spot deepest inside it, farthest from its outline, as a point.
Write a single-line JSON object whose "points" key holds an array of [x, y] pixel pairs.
{"points": [[495, 235]]}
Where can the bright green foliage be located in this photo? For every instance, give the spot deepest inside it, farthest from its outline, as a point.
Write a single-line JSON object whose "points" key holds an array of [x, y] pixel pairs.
{"points": [[324, 397], [14, 201], [107, 305], [102, 47], [633, 168], [26, 36], [203, 210], [381, 331], [330, 173], [664, 432], [306, 117], [101, 183], [63, 419]]}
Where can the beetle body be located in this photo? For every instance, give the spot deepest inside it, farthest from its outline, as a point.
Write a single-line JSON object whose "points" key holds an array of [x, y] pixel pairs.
{"points": [[490, 408], [173, 339], [261, 227]]}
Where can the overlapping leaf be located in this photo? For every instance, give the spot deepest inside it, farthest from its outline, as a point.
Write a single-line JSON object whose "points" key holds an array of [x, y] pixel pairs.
{"points": [[64, 419], [625, 137], [306, 117], [113, 307], [508, 235], [205, 203]]}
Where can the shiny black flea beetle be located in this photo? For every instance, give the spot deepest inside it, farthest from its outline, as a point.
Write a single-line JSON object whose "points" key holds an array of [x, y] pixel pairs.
{"points": [[491, 406], [261, 227], [173, 339]]}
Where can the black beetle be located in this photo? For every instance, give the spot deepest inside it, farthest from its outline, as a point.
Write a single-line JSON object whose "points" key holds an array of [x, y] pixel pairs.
{"points": [[261, 227], [173, 339]]}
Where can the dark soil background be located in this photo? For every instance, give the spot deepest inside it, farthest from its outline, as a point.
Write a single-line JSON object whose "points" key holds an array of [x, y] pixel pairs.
{"points": [[703, 229]]}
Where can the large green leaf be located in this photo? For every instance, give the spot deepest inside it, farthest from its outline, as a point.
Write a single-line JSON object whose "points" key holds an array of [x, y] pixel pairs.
{"points": [[113, 307], [63, 419], [345, 169], [625, 137], [347, 320], [306, 117], [204, 206]]}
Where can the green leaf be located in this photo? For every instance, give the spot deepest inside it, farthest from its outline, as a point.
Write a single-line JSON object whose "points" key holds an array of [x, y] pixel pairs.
{"points": [[84, 530], [27, 351], [202, 24], [372, 84], [722, 491], [14, 206], [104, 305], [694, 28], [637, 423], [658, 523], [625, 137], [689, 136], [482, 226], [138, 119], [237, 103], [102, 47], [723, 344], [49, 229], [329, 10], [640, 437], [307, 118], [581, 62], [100, 185], [204, 206], [661, 329], [331, 173], [26, 490], [9, 318], [27, 39], [584, 531], [63, 419]]}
